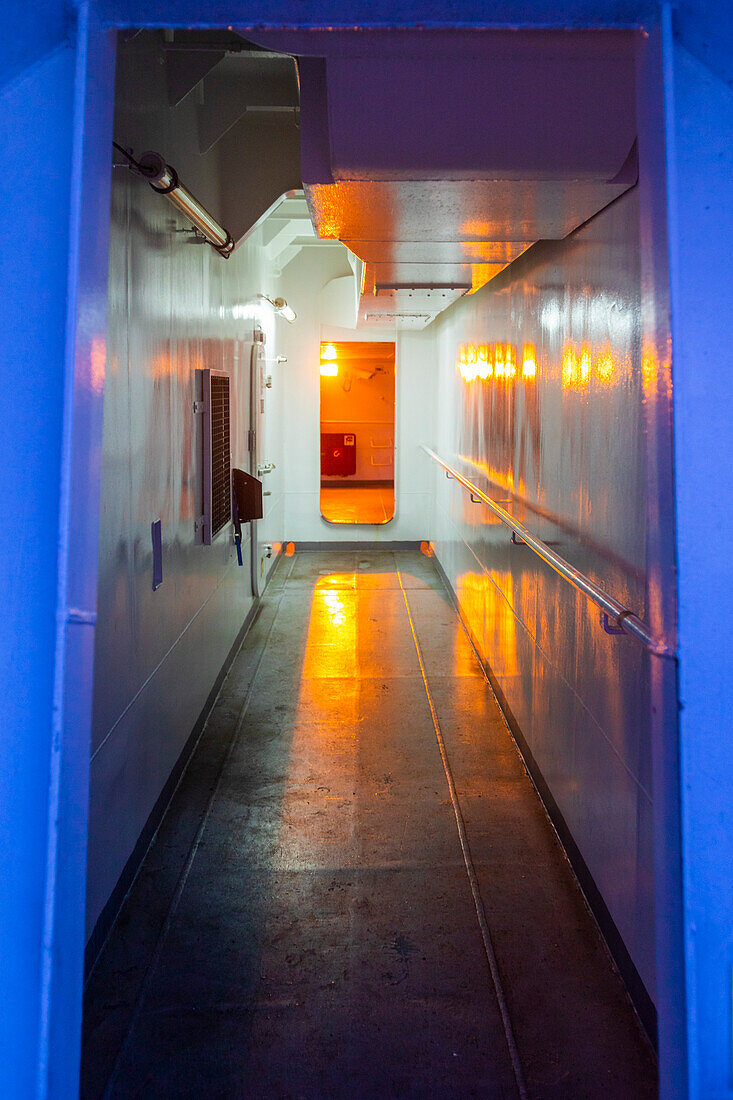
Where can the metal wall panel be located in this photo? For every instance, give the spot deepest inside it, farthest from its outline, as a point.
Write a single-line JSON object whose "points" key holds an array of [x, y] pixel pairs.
{"points": [[553, 420], [174, 306]]}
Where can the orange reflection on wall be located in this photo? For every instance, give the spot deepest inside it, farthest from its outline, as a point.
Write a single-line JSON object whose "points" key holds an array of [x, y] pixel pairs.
{"points": [[163, 365], [569, 365], [97, 362], [503, 479], [579, 366], [605, 368], [655, 372], [473, 361], [486, 604], [505, 361], [484, 361], [529, 362], [576, 367], [499, 361], [510, 361]]}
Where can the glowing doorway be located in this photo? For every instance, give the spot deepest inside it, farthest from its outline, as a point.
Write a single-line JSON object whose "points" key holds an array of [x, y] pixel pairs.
{"points": [[357, 431]]}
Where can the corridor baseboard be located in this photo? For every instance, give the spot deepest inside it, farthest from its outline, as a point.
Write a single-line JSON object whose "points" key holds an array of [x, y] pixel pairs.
{"points": [[365, 545]]}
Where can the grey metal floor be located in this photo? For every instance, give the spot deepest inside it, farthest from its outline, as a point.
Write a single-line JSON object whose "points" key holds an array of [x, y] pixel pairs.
{"points": [[305, 924]]}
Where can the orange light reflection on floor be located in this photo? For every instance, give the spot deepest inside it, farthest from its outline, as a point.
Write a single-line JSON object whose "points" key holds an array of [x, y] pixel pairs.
{"points": [[323, 739], [330, 649], [368, 504]]}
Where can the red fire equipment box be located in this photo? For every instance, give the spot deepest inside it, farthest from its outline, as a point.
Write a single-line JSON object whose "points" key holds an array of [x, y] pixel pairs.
{"points": [[338, 454]]}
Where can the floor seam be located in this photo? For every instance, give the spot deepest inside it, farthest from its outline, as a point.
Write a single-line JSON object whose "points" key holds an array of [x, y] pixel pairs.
{"points": [[470, 870]]}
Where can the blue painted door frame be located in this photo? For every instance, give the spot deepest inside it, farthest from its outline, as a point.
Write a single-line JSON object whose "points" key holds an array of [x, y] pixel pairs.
{"points": [[56, 97], [698, 85]]}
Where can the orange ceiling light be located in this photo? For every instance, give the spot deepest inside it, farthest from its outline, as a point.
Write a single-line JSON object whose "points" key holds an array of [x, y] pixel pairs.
{"points": [[329, 364]]}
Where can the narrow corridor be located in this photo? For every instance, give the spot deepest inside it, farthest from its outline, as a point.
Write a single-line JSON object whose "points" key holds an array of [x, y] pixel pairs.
{"points": [[307, 922]]}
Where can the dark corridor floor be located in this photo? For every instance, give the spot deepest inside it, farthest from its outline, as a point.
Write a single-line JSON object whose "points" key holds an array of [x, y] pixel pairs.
{"points": [[304, 925]]}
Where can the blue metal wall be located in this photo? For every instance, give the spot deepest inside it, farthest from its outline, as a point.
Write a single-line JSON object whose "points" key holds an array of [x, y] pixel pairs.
{"points": [[699, 149], [55, 98], [31, 455], [56, 75]]}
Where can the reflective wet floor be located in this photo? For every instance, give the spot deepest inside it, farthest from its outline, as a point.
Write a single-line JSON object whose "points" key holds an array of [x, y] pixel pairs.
{"points": [[322, 908], [357, 504]]}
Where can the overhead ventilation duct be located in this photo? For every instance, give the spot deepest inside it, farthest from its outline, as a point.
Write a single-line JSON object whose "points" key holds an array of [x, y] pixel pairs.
{"points": [[439, 156], [232, 111]]}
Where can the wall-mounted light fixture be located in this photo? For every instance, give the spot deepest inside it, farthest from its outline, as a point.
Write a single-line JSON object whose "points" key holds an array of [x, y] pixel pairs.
{"points": [[281, 307], [329, 361], [164, 179]]}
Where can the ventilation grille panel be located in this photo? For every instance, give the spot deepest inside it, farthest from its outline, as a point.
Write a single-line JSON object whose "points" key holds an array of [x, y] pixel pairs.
{"points": [[217, 510]]}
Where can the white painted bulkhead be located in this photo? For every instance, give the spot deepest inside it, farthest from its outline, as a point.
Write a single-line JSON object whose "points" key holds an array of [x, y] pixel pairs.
{"points": [[174, 307]]}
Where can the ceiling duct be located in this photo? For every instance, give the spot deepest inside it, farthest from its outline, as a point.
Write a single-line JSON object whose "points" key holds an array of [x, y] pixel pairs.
{"points": [[438, 157]]}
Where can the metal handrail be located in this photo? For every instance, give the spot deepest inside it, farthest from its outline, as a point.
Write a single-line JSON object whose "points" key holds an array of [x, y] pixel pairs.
{"points": [[625, 620]]}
